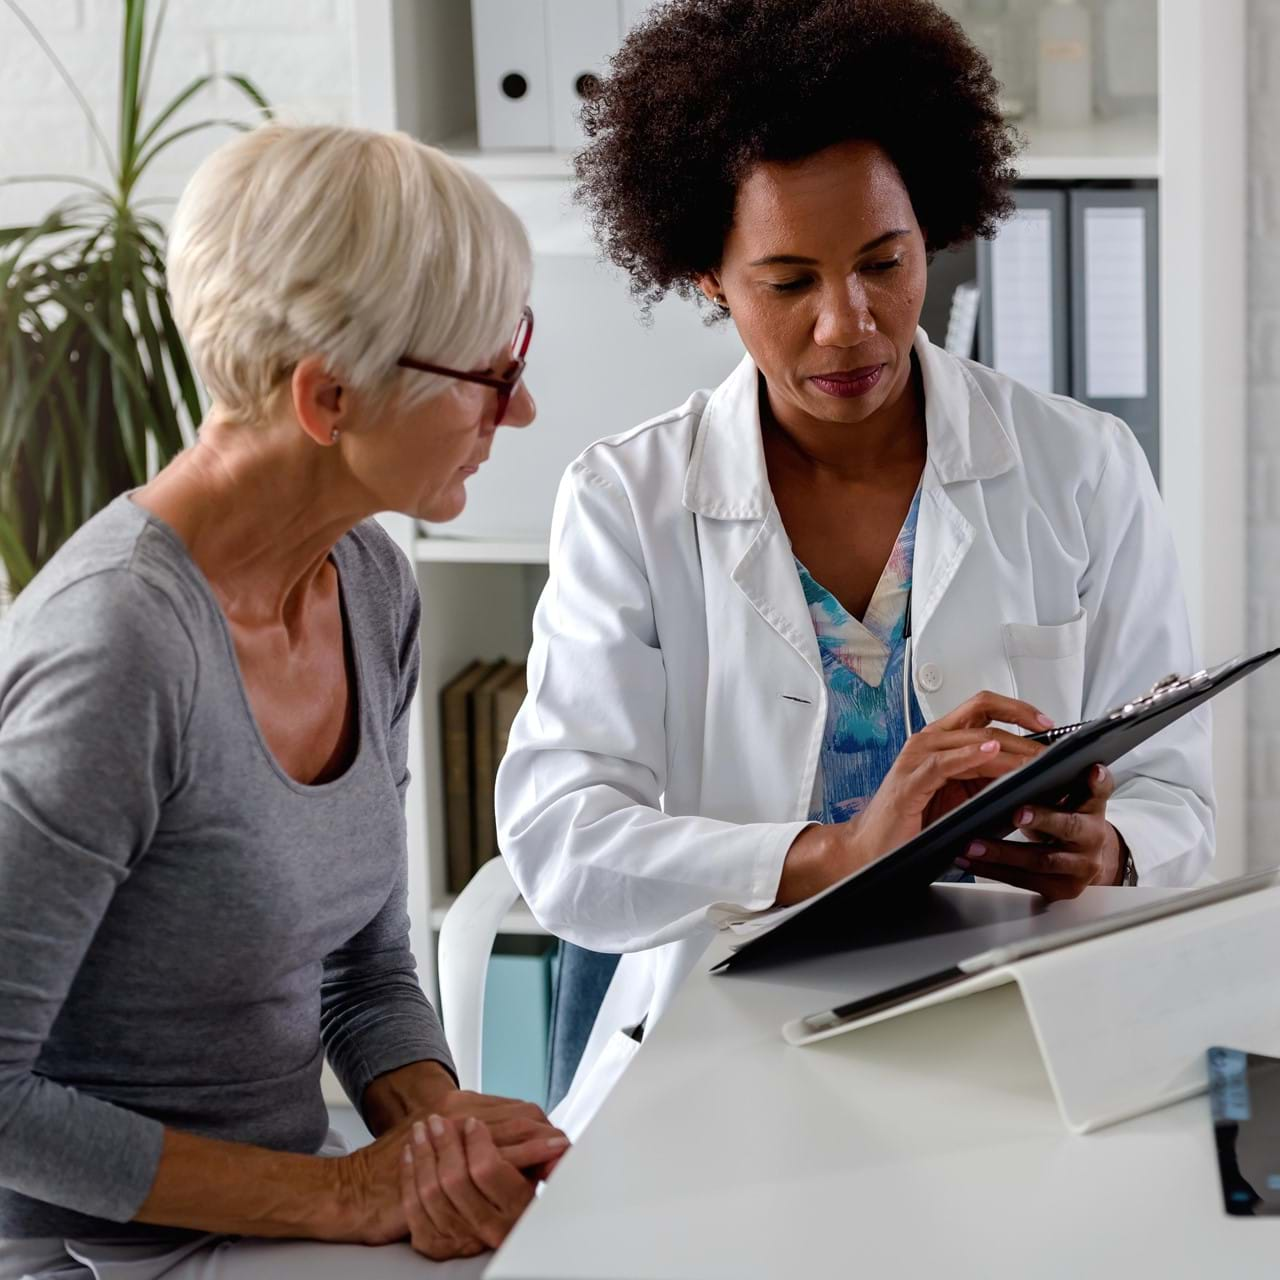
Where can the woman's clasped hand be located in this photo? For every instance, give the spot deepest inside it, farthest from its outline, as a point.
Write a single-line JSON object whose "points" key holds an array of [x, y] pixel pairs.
{"points": [[453, 1182]]}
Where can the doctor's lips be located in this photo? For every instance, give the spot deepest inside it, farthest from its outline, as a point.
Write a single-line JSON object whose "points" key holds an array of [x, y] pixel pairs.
{"points": [[848, 383]]}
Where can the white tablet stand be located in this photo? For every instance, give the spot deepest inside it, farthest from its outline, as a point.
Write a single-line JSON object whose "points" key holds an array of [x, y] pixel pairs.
{"points": [[1123, 1020]]}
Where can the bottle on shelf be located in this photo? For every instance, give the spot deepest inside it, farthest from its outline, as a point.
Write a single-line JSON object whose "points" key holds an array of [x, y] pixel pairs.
{"points": [[1126, 77], [991, 27], [1065, 83]]}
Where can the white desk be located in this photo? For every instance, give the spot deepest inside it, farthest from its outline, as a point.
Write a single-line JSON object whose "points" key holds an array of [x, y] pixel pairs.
{"points": [[929, 1145]]}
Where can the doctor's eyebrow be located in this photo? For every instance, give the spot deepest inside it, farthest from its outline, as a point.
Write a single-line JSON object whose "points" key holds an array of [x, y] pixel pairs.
{"points": [[795, 260]]}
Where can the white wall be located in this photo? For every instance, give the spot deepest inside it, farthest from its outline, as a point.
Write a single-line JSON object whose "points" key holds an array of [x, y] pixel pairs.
{"points": [[1264, 422], [298, 52]]}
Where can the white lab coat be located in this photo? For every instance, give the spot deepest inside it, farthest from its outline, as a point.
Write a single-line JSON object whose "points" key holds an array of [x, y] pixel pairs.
{"points": [[668, 752]]}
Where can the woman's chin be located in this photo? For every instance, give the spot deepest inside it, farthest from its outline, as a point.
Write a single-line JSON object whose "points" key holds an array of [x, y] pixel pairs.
{"points": [[442, 507]]}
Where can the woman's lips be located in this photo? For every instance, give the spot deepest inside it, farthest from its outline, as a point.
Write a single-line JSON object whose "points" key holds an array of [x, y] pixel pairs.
{"points": [[848, 383]]}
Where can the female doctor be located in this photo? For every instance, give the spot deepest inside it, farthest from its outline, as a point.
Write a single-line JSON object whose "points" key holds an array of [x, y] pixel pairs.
{"points": [[718, 720]]}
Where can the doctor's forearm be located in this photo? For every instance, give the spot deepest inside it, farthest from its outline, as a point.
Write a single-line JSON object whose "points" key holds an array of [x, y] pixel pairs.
{"points": [[819, 856]]}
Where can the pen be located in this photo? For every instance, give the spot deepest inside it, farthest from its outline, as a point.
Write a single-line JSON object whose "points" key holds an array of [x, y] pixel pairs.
{"points": [[1052, 735]]}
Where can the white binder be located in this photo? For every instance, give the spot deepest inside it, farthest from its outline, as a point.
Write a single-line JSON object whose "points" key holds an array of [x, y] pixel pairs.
{"points": [[1123, 1019], [513, 81], [581, 37]]}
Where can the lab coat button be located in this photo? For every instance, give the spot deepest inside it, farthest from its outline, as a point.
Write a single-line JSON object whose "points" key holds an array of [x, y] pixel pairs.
{"points": [[929, 677]]}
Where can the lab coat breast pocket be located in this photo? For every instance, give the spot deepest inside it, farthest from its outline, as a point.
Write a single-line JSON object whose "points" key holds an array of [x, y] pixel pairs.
{"points": [[1047, 664]]}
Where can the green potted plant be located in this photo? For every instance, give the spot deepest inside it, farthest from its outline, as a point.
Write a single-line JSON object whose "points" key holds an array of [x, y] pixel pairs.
{"points": [[96, 389]]}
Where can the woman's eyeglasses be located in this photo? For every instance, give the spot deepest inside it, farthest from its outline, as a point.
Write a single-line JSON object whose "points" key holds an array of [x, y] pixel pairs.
{"points": [[505, 383]]}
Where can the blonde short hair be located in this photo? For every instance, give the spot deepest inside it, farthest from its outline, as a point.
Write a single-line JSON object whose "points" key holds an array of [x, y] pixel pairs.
{"points": [[354, 246]]}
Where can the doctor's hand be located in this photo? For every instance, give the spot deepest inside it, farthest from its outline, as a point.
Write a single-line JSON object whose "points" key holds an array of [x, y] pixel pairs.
{"points": [[1067, 851], [938, 768]]}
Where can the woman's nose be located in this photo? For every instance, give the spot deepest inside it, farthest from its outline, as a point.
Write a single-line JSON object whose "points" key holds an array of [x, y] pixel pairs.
{"points": [[522, 410], [845, 318]]}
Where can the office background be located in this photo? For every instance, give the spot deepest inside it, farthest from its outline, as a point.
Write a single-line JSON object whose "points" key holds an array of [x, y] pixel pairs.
{"points": [[303, 55]]}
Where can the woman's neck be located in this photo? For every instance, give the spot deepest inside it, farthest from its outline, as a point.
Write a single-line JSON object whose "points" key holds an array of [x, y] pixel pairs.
{"points": [[259, 511]]}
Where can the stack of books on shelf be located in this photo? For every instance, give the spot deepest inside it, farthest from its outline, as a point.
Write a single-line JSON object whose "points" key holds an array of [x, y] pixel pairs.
{"points": [[477, 708]]}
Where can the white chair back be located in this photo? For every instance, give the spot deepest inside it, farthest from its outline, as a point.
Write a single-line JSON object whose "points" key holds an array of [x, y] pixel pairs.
{"points": [[466, 942]]}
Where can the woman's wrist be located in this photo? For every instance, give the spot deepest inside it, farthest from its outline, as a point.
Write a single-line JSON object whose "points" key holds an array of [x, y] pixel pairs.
{"points": [[415, 1089], [207, 1184]]}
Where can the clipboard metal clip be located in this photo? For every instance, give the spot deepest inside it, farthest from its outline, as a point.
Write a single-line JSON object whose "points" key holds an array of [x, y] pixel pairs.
{"points": [[1165, 687]]}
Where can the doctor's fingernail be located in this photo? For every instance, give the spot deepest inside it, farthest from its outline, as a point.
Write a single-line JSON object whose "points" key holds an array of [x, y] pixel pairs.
{"points": [[437, 1125], [975, 850], [419, 1132], [1044, 720], [1024, 818], [962, 863]]}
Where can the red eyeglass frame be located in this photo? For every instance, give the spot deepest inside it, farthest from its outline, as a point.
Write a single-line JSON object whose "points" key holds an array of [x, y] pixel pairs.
{"points": [[506, 383]]}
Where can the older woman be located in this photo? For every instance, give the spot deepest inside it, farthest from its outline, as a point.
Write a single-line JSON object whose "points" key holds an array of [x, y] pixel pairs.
{"points": [[204, 704], [725, 712]]}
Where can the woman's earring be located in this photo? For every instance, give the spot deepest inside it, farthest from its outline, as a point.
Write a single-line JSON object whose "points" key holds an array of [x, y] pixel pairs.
{"points": [[333, 436]]}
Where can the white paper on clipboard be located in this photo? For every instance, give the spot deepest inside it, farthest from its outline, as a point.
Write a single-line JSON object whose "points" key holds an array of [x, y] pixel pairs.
{"points": [[1115, 302], [1022, 299]]}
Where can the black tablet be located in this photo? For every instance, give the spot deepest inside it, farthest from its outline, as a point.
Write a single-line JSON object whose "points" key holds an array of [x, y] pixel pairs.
{"points": [[1056, 778]]}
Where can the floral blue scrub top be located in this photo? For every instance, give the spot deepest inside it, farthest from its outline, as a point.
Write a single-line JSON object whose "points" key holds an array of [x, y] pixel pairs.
{"points": [[862, 662]]}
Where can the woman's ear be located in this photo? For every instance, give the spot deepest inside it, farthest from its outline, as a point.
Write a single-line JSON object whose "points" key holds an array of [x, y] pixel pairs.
{"points": [[709, 283], [321, 403]]}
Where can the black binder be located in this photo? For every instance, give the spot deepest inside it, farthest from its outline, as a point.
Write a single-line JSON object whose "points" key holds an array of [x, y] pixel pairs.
{"points": [[1056, 778]]}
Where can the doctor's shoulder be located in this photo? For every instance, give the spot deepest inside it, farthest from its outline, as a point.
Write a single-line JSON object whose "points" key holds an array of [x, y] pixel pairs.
{"points": [[649, 461], [1064, 447]]}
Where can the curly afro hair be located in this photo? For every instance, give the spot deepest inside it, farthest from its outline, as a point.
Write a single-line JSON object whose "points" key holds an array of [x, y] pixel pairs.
{"points": [[703, 90]]}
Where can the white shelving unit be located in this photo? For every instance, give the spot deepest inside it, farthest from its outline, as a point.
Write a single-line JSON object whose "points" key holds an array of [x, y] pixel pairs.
{"points": [[413, 73]]}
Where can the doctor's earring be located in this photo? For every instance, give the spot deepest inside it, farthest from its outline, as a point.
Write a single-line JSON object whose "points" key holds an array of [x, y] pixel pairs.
{"points": [[721, 305]]}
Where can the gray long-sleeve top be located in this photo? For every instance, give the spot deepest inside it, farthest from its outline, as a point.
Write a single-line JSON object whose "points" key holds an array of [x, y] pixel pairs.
{"points": [[184, 929]]}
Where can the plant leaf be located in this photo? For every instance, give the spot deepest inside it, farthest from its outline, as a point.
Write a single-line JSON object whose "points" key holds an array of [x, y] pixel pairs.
{"points": [[169, 139], [152, 45], [176, 104], [252, 92], [135, 19], [179, 360], [17, 564]]}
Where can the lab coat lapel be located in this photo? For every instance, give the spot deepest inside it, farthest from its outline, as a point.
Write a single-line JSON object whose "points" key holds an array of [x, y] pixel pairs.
{"points": [[728, 484], [967, 443]]}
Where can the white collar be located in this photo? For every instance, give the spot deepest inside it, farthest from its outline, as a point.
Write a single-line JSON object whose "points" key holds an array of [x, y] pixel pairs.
{"points": [[727, 478]]}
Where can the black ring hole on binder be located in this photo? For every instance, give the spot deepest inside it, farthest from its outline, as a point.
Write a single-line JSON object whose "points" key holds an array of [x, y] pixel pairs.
{"points": [[586, 85], [514, 85]]}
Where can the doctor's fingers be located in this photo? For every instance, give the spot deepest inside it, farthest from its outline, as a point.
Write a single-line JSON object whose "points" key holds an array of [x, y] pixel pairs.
{"points": [[928, 772], [938, 738], [987, 856], [1102, 785], [1077, 829], [987, 706], [1055, 888]]}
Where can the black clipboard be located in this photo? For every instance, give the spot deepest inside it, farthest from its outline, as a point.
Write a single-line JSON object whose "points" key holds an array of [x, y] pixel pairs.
{"points": [[1058, 777]]}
